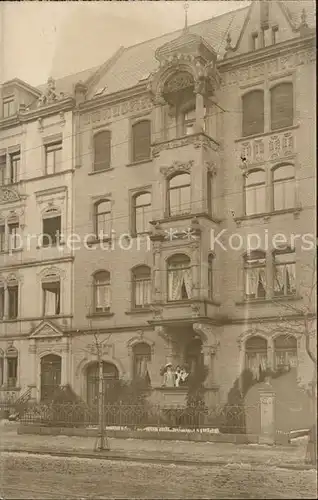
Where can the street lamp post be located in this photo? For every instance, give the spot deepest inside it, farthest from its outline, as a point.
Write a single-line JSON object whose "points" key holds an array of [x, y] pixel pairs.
{"points": [[102, 441]]}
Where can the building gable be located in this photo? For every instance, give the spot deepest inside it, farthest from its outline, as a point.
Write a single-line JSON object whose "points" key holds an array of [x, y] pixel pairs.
{"points": [[46, 330]]}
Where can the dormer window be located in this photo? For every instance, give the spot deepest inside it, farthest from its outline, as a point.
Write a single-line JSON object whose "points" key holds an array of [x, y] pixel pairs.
{"points": [[8, 107]]}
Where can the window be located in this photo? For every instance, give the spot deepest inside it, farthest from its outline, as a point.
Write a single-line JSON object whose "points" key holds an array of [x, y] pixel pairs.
{"points": [[141, 141], [53, 158], [282, 108], [51, 228], [194, 356], [284, 273], [255, 275], [3, 164], [210, 192], [141, 278], [14, 167], [51, 291], [253, 113], [13, 299], [142, 358], [102, 150], [255, 193], [8, 108], [254, 41], [142, 212], [210, 277], [179, 194], [13, 228], [285, 348], [179, 278], [284, 187], [101, 292], [189, 119], [2, 237], [2, 294], [12, 366], [103, 219], [256, 355]]}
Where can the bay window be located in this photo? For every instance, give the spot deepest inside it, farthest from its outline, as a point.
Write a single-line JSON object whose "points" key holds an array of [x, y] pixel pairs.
{"points": [[179, 194]]}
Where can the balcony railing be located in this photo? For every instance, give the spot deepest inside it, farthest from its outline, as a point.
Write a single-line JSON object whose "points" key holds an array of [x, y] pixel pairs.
{"points": [[276, 146], [198, 140]]}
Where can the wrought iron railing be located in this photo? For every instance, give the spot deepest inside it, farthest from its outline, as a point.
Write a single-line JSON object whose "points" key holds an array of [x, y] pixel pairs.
{"points": [[224, 419]]}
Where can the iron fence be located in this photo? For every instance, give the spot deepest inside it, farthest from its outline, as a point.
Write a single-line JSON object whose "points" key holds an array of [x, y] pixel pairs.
{"points": [[223, 419]]}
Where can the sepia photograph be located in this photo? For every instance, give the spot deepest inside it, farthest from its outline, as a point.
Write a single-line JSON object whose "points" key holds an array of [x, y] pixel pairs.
{"points": [[158, 250]]}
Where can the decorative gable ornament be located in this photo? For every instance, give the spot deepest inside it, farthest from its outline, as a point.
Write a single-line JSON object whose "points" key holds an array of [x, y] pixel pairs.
{"points": [[46, 330], [50, 95], [8, 195]]}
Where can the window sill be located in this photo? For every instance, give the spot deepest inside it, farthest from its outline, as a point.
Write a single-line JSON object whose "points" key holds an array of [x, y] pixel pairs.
{"points": [[139, 162], [95, 172], [9, 252], [100, 315], [183, 302], [57, 245], [269, 132], [142, 310], [268, 215], [96, 241], [9, 388], [269, 300], [185, 216]]}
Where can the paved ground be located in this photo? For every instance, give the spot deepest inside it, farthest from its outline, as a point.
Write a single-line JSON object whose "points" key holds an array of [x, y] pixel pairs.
{"points": [[41, 477], [172, 450]]}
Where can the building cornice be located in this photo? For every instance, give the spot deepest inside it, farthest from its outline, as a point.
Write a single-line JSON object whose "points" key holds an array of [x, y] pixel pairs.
{"points": [[37, 263], [112, 329], [264, 54], [114, 98]]}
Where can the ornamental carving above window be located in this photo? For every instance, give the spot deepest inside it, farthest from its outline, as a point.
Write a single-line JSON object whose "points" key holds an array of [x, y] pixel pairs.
{"points": [[178, 82]]}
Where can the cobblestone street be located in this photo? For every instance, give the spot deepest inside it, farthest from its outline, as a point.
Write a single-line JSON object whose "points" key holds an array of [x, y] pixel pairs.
{"points": [[33, 477]]}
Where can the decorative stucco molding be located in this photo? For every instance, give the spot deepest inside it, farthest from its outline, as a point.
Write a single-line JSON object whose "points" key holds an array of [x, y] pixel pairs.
{"points": [[207, 333], [50, 95], [111, 112], [177, 166], [8, 195]]}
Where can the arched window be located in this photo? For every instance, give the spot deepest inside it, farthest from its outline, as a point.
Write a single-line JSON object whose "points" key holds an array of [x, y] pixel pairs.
{"points": [[141, 212], [101, 285], [210, 276], [284, 187], [285, 348], [141, 289], [12, 366], [51, 227], [51, 294], [255, 275], [141, 360], [141, 140], [282, 107], [102, 150], [13, 298], [284, 272], [253, 113], [103, 218], [179, 194], [256, 355], [179, 278], [255, 193]]}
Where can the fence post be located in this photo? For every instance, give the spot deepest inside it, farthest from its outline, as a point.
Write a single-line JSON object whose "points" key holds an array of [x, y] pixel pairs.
{"points": [[267, 415]]}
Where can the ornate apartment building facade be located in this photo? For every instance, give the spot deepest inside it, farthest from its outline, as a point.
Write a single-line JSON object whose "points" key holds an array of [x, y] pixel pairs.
{"points": [[182, 148]]}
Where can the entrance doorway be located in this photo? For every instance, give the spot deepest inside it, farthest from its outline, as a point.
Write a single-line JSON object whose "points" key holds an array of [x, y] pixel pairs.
{"points": [[51, 367], [110, 377]]}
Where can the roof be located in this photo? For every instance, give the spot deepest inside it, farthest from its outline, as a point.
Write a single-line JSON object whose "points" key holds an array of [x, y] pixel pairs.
{"points": [[138, 61], [295, 8], [66, 83]]}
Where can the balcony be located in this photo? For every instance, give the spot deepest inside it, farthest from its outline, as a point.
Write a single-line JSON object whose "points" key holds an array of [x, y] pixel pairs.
{"points": [[273, 146], [199, 140]]}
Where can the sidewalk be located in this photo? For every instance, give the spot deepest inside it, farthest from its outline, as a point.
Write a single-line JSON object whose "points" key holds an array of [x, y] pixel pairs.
{"points": [[159, 451]]}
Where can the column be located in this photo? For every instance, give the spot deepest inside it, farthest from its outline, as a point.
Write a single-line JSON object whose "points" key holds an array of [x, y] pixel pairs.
{"points": [[65, 378], [208, 359], [196, 271], [157, 136], [199, 112], [8, 168], [267, 415], [157, 278], [270, 353], [33, 360], [6, 292]]}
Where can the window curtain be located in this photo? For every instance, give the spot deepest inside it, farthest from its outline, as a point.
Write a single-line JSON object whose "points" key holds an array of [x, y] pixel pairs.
{"points": [[50, 302], [257, 362], [102, 296], [251, 281], [290, 278], [142, 292], [178, 278]]}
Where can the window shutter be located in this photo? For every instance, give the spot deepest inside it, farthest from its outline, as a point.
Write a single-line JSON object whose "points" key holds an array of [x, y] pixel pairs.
{"points": [[102, 150], [253, 113], [141, 140], [282, 106]]}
